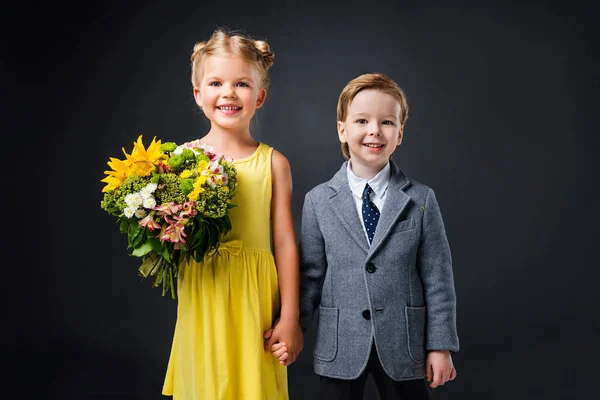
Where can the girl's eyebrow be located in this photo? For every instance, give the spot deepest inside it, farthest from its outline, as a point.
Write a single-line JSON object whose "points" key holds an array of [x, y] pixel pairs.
{"points": [[244, 78]]}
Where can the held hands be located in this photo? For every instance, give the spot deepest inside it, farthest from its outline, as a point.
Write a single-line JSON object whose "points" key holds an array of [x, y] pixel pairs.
{"points": [[285, 341], [439, 368]]}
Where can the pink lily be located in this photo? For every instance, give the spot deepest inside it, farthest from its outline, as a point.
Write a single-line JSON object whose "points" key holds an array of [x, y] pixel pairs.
{"points": [[188, 209], [149, 222], [169, 208]]}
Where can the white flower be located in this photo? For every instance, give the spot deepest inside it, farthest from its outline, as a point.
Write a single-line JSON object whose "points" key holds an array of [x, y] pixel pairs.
{"points": [[139, 213], [150, 202], [207, 148], [145, 193], [180, 148], [129, 211], [133, 200], [151, 187]]}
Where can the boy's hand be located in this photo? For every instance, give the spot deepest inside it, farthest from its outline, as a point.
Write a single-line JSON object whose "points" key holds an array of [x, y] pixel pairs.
{"points": [[288, 333], [439, 367]]}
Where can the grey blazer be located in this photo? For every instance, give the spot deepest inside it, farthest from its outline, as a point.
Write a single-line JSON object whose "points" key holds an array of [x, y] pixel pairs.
{"points": [[398, 292]]}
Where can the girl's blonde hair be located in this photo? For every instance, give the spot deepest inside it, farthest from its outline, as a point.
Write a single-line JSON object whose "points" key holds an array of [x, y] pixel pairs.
{"points": [[370, 81], [255, 52]]}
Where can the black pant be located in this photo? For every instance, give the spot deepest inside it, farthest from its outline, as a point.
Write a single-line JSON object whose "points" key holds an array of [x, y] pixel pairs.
{"points": [[389, 389]]}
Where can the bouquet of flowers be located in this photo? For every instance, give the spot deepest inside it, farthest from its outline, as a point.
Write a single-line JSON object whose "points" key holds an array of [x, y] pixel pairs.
{"points": [[172, 201]]}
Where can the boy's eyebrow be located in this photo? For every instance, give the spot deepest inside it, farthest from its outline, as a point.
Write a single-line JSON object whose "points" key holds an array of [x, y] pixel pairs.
{"points": [[360, 114]]}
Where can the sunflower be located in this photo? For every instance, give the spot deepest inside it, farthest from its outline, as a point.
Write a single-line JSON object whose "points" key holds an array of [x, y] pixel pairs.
{"points": [[142, 160], [120, 171]]}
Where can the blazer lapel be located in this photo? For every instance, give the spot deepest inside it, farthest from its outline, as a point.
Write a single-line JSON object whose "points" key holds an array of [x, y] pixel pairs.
{"points": [[344, 207], [395, 202]]}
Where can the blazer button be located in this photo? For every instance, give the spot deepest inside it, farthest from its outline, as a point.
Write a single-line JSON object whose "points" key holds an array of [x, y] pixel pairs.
{"points": [[371, 268], [366, 314]]}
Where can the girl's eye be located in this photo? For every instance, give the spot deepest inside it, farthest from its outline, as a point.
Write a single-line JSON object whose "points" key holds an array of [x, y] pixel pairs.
{"points": [[361, 121], [214, 83], [388, 122], [243, 84]]}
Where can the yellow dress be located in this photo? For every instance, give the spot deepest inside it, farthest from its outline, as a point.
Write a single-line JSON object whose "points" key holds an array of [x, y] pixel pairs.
{"points": [[227, 303]]}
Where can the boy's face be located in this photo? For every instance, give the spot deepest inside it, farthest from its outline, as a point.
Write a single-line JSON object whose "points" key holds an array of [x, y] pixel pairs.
{"points": [[372, 129]]}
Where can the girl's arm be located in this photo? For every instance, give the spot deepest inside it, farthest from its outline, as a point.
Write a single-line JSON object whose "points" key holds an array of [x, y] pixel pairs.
{"points": [[285, 250]]}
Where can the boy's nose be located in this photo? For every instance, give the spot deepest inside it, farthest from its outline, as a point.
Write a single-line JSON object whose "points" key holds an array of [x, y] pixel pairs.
{"points": [[374, 130]]}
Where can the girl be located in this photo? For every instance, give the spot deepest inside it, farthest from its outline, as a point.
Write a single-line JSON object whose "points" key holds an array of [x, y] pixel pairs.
{"points": [[227, 303]]}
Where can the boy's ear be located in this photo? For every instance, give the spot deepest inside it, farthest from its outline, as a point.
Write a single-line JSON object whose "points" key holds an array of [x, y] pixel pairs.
{"points": [[260, 99], [400, 135], [198, 97], [341, 128]]}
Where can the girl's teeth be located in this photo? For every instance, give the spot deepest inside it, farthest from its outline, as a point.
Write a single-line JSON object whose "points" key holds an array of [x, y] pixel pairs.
{"points": [[229, 108]]}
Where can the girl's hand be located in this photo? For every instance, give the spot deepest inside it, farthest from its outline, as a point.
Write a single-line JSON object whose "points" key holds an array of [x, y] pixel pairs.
{"points": [[279, 350], [289, 333], [439, 368]]}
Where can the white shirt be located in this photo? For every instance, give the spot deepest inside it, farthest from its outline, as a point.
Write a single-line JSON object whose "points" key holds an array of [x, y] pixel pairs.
{"points": [[379, 184]]}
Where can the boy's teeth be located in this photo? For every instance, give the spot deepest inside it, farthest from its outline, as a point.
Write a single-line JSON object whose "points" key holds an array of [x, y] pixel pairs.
{"points": [[229, 108], [373, 145]]}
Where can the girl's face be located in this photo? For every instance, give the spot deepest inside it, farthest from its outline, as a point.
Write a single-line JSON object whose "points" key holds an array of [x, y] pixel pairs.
{"points": [[372, 130], [229, 93]]}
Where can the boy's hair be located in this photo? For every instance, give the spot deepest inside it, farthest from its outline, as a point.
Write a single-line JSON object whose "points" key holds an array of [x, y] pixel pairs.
{"points": [[370, 81], [255, 52]]}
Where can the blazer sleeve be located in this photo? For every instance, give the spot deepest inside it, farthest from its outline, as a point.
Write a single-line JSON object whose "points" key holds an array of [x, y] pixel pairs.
{"points": [[313, 263], [434, 263]]}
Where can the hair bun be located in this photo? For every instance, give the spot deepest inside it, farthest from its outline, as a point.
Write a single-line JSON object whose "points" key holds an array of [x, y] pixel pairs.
{"points": [[265, 50], [197, 49]]}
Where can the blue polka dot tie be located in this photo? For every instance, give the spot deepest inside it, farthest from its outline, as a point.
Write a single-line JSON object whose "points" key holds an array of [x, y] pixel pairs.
{"points": [[370, 213]]}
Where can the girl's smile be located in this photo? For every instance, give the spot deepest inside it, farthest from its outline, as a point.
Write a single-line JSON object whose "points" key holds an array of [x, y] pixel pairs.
{"points": [[229, 109]]}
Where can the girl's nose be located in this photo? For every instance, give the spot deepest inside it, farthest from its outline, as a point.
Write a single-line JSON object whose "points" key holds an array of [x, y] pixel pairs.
{"points": [[229, 91]]}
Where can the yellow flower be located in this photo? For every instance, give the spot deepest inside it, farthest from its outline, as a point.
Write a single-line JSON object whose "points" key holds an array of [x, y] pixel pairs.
{"points": [[185, 173], [202, 164], [193, 195], [120, 171], [142, 160]]}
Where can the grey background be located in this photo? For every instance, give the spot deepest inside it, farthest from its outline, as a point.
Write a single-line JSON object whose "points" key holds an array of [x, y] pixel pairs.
{"points": [[502, 126]]}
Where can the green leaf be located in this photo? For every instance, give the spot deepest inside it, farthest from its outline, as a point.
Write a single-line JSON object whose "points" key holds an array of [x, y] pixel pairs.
{"points": [[124, 227], [142, 250], [140, 238], [132, 233]]}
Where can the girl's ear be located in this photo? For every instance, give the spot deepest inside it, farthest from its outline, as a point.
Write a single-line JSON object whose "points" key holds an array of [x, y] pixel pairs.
{"points": [[341, 128], [400, 135], [198, 97], [260, 99]]}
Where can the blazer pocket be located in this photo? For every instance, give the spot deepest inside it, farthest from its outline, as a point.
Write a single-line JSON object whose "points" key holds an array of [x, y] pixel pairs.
{"points": [[327, 334], [403, 226], [415, 330]]}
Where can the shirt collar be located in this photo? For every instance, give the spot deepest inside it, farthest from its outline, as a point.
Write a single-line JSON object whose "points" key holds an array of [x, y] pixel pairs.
{"points": [[378, 183]]}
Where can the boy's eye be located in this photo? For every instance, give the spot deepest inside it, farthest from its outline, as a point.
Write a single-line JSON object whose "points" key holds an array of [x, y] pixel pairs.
{"points": [[214, 83], [361, 121], [243, 84], [388, 122]]}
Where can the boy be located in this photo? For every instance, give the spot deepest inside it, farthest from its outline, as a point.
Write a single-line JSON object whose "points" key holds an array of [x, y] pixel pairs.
{"points": [[375, 260]]}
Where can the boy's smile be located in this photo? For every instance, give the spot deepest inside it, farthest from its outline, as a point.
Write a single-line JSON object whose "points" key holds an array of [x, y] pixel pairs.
{"points": [[372, 130]]}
